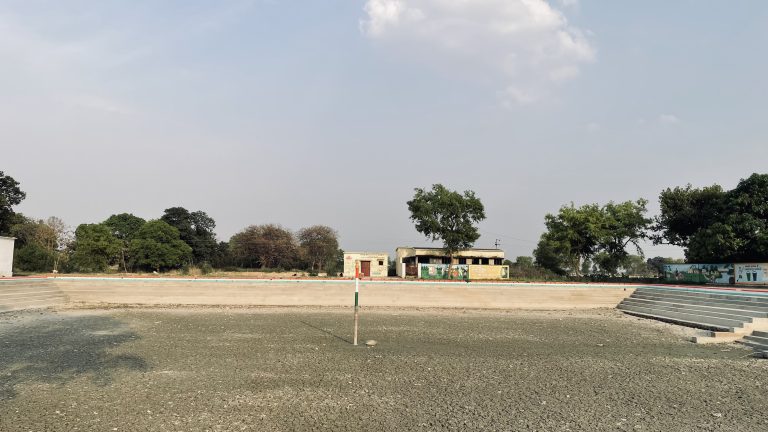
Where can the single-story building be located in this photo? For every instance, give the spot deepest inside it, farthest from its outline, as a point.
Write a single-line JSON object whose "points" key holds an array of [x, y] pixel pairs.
{"points": [[372, 264], [433, 263], [6, 256]]}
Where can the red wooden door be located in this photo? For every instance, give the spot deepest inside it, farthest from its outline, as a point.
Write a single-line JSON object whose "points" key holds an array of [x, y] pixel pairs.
{"points": [[365, 268]]}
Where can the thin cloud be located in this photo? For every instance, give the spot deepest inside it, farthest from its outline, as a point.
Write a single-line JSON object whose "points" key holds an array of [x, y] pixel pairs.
{"points": [[527, 45], [668, 119]]}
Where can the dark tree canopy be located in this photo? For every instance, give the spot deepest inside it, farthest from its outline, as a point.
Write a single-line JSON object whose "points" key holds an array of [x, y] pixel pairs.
{"points": [[443, 214], [10, 195], [124, 227], [157, 246], [715, 225], [196, 230], [95, 248]]}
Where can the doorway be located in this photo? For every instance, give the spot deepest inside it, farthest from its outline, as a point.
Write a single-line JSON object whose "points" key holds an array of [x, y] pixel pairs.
{"points": [[365, 268]]}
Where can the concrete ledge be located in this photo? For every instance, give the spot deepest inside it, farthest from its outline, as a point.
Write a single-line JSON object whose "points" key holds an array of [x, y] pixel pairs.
{"points": [[711, 312], [155, 291], [691, 319]]}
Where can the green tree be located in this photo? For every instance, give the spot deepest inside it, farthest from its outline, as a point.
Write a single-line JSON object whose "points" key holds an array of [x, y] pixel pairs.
{"points": [[196, 230], [717, 226], [572, 236], [318, 245], [265, 246], [442, 214], [524, 261], [10, 195], [95, 248], [657, 263], [158, 246], [591, 233], [124, 227], [41, 244], [684, 211]]}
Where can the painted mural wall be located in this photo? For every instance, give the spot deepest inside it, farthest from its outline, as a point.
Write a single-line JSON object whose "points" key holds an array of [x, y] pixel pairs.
{"points": [[752, 273], [440, 271], [700, 273]]}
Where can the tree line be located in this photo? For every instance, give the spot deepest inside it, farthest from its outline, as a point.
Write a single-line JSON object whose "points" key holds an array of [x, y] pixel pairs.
{"points": [[712, 225], [178, 239]]}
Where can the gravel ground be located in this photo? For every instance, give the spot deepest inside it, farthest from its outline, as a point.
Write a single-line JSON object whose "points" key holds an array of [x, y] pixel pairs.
{"points": [[294, 369]]}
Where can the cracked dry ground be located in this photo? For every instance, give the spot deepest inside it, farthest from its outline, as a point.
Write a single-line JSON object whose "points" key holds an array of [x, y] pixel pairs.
{"points": [[268, 369]]}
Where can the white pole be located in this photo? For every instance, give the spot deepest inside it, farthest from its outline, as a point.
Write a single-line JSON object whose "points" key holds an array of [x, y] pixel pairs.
{"points": [[357, 293]]}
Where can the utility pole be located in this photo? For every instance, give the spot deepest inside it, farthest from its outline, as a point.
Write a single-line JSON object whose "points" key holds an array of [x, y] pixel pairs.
{"points": [[498, 243]]}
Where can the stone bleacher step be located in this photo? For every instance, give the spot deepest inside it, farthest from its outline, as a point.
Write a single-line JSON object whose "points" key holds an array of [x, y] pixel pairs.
{"points": [[687, 323], [751, 305], [756, 300], [735, 314], [686, 316]]}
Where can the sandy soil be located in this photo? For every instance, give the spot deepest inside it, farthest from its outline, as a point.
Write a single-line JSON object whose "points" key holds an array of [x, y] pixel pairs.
{"points": [[267, 369]]}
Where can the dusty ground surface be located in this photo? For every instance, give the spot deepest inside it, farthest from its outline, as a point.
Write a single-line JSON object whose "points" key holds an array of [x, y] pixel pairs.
{"points": [[294, 369]]}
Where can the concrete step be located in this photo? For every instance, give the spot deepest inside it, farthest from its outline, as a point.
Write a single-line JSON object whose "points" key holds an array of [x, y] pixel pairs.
{"points": [[760, 333], [757, 339], [738, 296], [693, 317], [757, 346], [758, 307], [708, 310], [690, 321]]}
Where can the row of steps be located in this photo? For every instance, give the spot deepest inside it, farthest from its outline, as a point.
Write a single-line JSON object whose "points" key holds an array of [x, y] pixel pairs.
{"points": [[728, 316], [758, 341], [18, 294]]}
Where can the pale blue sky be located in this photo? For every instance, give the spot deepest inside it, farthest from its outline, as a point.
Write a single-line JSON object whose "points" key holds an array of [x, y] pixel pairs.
{"points": [[332, 111]]}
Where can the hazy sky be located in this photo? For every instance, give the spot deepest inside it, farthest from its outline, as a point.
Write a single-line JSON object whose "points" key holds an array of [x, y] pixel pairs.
{"points": [[332, 111]]}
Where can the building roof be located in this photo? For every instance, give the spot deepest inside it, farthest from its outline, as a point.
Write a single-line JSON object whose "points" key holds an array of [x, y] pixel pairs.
{"points": [[442, 249]]}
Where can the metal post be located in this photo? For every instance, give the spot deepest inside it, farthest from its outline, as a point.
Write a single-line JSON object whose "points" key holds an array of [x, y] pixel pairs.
{"points": [[357, 294]]}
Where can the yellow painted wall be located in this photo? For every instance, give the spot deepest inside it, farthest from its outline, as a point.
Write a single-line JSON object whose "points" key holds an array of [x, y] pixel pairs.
{"points": [[488, 272]]}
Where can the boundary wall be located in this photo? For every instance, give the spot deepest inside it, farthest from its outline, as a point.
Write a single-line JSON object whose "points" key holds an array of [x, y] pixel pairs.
{"points": [[257, 292]]}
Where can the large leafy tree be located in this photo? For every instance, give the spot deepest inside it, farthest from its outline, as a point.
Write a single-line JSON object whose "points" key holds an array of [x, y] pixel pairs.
{"points": [[158, 246], [95, 248], [196, 230], [124, 227], [715, 225], [10, 195], [266, 246], [443, 214], [592, 234], [318, 245]]}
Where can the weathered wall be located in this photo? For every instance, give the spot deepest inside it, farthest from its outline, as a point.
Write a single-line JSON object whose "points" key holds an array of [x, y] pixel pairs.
{"points": [[377, 270], [340, 293], [6, 256], [488, 272]]}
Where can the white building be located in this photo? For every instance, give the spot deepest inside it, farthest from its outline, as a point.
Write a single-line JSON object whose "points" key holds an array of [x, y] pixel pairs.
{"points": [[372, 264], [6, 256]]}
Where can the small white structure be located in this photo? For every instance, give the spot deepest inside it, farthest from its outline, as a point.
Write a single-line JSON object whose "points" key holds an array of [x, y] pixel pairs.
{"points": [[372, 264], [6, 256]]}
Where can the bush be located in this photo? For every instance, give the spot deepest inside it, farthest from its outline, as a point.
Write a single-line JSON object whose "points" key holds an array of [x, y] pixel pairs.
{"points": [[32, 258]]}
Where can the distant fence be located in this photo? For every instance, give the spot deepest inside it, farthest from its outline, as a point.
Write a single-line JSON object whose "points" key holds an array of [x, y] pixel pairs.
{"points": [[726, 274]]}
